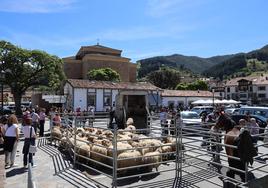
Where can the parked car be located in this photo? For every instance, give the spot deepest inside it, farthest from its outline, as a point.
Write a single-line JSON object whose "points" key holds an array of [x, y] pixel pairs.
{"points": [[254, 110], [190, 118], [6, 110], [259, 119], [232, 111], [201, 110]]}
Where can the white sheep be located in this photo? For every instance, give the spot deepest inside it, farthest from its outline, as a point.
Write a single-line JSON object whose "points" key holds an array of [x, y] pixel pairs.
{"points": [[152, 157], [131, 158]]}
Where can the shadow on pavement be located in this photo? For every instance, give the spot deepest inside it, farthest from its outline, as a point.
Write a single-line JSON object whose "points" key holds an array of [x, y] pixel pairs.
{"points": [[15, 171]]}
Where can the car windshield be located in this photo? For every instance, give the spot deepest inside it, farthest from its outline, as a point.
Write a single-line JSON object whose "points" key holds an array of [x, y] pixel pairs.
{"points": [[189, 115]]}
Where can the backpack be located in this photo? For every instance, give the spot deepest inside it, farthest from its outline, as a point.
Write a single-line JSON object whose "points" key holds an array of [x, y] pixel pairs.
{"points": [[245, 147]]}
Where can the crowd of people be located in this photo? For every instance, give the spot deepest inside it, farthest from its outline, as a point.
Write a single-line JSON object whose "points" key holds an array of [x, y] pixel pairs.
{"points": [[32, 124]]}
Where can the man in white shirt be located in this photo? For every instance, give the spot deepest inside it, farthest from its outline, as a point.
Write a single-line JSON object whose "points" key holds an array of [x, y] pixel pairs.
{"points": [[35, 120]]}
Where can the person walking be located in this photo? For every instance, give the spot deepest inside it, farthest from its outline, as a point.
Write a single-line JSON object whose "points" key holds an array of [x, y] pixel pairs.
{"points": [[35, 120], [11, 138], [42, 119], [30, 135]]}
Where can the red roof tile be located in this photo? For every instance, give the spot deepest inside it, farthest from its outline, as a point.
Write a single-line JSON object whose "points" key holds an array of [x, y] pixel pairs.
{"points": [[78, 83], [186, 93]]}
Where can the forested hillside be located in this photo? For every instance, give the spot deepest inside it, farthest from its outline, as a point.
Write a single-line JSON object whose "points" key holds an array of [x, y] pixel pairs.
{"points": [[193, 64], [240, 64]]}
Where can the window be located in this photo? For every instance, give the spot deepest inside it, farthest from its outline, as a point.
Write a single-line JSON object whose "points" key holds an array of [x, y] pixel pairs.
{"points": [[228, 89], [261, 88], [91, 99], [107, 98], [228, 97], [260, 113], [262, 95], [250, 88], [243, 95]]}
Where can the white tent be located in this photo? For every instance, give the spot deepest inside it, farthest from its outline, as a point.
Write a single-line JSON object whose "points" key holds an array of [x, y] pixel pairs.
{"points": [[200, 101], [216, 101]]}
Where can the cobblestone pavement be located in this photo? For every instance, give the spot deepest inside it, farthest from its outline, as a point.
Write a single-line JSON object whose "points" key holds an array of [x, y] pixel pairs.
{"points": [[2, 169], [51, 171], [54, 170]]}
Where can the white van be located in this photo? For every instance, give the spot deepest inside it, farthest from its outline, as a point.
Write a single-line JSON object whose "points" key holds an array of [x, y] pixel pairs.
{"points": [[254, 110]]}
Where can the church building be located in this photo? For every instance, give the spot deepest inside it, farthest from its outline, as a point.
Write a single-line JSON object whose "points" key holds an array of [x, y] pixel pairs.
{"points": [[98, 56]]}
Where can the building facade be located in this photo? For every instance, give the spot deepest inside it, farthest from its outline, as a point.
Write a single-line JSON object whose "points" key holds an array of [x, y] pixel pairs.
{"points": [[184, 98], [249, 90], [98, 56], [101, 95]]}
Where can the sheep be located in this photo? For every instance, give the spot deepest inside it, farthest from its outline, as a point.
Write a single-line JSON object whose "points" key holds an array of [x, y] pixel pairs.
{"points": [[152, 157], [149, 145], [129, 162], [166, 148], [95, 153], [130, 121], [131, 128], [120, 148], [84, 150], [56, 133], [108, 133], [172, 141]]}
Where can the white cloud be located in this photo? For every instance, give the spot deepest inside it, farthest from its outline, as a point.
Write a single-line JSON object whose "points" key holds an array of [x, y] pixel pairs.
{"points": [[160, 8], [35, 6]]}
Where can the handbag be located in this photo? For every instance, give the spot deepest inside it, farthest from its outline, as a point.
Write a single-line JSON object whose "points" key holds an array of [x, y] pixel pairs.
{"points": [[32, 148]]}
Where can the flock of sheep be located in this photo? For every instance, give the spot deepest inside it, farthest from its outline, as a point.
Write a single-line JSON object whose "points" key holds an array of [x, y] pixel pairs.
{"points": [[133, 150]]}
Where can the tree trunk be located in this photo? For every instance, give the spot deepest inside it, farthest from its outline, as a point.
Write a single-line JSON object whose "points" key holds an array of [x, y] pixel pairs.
{"points": [[17, 98]]}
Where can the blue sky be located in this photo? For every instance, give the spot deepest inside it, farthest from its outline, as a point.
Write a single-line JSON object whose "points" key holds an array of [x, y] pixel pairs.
{"points": [[141, 28]]}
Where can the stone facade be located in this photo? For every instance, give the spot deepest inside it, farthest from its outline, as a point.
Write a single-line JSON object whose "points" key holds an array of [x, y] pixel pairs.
{"points": [[97, 56]]}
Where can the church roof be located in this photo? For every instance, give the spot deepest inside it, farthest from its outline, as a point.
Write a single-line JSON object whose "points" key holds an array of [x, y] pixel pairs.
{"points": [[144, 86], [97, 49]]}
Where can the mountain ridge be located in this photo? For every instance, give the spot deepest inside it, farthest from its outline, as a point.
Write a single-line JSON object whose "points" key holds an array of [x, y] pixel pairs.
{"points": [[215, 66]]}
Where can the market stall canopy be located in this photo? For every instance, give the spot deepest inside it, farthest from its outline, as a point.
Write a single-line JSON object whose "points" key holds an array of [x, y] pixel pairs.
{"points": [[216, 101]]}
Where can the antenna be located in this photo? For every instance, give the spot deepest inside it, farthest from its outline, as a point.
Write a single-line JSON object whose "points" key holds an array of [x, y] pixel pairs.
{"points": [[98, 41]]}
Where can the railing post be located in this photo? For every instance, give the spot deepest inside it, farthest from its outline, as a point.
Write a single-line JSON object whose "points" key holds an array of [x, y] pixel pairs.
{"points": [[75, 148], [115, 156]]}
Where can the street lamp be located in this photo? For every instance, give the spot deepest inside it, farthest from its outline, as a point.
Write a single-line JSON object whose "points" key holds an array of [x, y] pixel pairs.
{"points": [[2, 77], [157, 93], [213, 96]]}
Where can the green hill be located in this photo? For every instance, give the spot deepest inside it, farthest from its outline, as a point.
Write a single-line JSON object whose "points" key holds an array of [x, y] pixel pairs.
{"points": [[194, 64], [243, 64], [240, 64]]}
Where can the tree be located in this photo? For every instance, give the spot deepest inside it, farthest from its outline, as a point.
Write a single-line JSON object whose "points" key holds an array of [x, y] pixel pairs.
{"points": [[103, 74], [181, 86], [165, 78], [28, 68], [197, 85]]}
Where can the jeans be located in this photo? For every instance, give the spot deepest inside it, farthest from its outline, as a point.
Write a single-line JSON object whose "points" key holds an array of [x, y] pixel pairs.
{"points": [[25, 159], [42, 123], [10, 156]]}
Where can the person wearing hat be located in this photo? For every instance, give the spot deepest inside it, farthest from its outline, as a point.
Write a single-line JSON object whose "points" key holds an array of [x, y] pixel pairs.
{"points": [[30, 135]]}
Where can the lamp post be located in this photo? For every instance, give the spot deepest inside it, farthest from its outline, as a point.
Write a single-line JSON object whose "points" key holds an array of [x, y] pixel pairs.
{"points": [[2, 77], [157, 95], [213, 96]]}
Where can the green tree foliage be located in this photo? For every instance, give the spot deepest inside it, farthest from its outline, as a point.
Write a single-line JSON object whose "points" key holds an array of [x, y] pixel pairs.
{"points": [[228, 67], [103, 74], [197, 85], [28, 68], [164, 78], [181, 86]]}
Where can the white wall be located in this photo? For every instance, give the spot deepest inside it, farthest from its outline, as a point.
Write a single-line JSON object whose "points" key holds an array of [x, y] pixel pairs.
{"points": [[80, 98], [114, 93], [99, 100], [185, 100]]}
